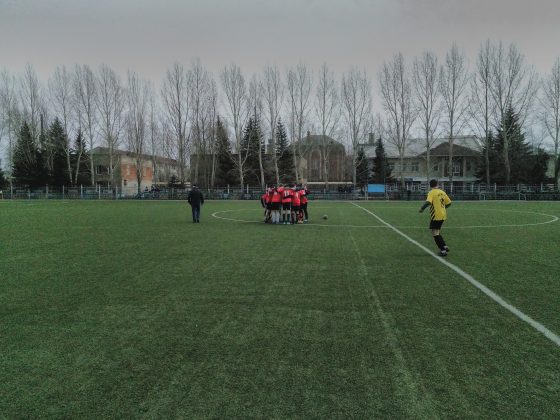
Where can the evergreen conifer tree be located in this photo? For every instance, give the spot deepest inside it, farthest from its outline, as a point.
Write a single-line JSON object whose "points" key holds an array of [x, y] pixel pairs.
{"points": [[363, 177], [284, 155], [44, 158], [58, 168], [251, 142], [538, 168], [526, 167], [27, 160], [3, 180], [225, 171], [381, 168]]}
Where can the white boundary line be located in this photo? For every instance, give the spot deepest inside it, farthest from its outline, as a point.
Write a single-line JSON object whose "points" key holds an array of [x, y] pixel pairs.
{"points": [[554, 219], [496, 298], [215, 215]]}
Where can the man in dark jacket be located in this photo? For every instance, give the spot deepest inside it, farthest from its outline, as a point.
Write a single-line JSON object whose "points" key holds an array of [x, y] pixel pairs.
{"points": [[195, 199]]}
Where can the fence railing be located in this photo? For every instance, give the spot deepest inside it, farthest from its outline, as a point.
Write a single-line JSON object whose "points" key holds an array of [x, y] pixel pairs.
{"points": [[392, 192]]}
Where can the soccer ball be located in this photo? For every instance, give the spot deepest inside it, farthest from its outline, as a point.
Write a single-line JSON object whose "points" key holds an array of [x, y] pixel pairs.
{"points": [[325, 217]]}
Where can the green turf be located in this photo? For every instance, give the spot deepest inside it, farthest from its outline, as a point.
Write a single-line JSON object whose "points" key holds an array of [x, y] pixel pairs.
{"points": [[127, 309]]}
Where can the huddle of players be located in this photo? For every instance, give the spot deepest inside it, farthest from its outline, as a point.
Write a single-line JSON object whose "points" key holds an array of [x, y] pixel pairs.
{"points": [[285, 204]]}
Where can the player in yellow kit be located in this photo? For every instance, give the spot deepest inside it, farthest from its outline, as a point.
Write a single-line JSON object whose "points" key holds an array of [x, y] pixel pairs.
{"points": [[438, 201]]}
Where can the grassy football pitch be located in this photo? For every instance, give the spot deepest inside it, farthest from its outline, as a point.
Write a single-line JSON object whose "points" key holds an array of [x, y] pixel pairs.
{"points": [[128, 309]]}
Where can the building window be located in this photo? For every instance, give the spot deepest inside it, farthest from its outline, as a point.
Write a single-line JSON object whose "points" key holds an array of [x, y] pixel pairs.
{"points": [[414, 166], [457, 169], [101, 170]]}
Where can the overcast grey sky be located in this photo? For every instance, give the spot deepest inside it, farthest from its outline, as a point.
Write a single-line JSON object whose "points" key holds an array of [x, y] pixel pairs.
{"points": [[148, 36]]}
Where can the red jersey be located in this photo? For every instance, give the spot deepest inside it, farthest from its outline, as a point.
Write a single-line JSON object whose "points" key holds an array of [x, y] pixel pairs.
{"points": [[276, 197], [303, 196], [287, 195], [295, 199], [266, 198]]}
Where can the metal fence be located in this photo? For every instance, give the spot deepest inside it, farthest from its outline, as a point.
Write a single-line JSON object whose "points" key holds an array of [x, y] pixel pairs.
{"points": [[392, 192]]}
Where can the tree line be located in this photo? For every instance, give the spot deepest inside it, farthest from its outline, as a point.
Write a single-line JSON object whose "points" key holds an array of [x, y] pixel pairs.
{"points": [[219, 119]]}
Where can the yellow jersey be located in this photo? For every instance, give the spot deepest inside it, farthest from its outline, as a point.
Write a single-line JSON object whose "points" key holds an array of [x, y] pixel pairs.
{"points": [[438, 200]]}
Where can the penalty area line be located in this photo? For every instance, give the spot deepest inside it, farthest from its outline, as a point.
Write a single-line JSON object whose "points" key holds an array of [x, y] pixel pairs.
{"points": [[492, 295]]}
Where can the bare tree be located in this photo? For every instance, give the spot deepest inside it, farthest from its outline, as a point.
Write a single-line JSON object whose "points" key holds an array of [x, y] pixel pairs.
{"points": [[356, 100], [208, 120], [199, 93], [550, 111], [177, 107], [272, 91], [10, 115], [85, 89], [425, 76], [168, 148], [137, 120], [62, 100], [110, 104], [453, 84], [255, 106], [235, 91], [397, 100], [327, 110], [512, 85], [299, 89], [212, 112], [31, 101], [155, 137], [482, 106]]}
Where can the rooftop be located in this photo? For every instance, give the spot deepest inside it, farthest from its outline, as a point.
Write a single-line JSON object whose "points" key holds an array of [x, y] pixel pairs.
{"points": [[462, 146], [128, 153]]}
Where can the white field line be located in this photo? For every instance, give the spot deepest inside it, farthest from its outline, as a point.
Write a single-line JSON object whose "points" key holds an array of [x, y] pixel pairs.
{"points": [[216, 213], [496, 298], [552, 220]]}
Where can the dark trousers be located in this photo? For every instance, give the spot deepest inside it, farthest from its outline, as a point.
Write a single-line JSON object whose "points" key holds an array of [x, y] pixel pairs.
{"points": [[195, 213]]}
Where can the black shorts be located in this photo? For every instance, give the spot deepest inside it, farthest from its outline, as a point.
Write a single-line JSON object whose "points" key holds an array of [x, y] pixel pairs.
{"points": [[303, 206], [436, 224], [275, 206], [268, 206], [295, 208], [286, 206]]}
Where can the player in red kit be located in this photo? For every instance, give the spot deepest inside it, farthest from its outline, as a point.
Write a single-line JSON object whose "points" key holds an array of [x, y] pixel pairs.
{"points": [[296, 202], [265, 202], [303, 193], [275, 203], [287, 195]]}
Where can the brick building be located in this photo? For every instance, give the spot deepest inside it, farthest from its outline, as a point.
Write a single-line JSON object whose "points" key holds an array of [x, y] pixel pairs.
{"points": [[156, 170]]}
